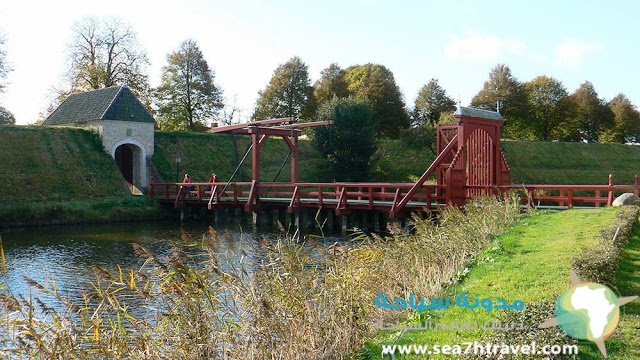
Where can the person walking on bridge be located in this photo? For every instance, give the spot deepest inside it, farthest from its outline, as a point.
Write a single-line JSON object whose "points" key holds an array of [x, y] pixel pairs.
{"points": [[187, 180], [212, 180]]}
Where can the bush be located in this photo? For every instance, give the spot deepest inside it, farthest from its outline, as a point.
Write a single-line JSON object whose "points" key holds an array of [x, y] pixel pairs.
{"points": [[349, 143]]}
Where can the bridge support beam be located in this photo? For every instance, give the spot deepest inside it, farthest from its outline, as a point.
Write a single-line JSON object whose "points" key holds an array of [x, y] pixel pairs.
{"points": [[297, 217], [382, 222], [346, 222]]}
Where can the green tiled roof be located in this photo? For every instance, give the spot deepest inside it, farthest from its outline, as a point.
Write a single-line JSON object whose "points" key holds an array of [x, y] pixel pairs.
{"points": [[478, 113], [114, 103]]}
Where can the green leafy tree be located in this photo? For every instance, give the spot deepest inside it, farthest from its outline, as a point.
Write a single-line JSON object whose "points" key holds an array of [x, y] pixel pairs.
{"points": [[6, 117], [592, 116], [349, 143], [626, 120], [106, 53], [187, 95], [377, 84], [4, 67], [504, 88], [549, 108], [420, 137], [431, 102], [288, 94], [332, 83]]}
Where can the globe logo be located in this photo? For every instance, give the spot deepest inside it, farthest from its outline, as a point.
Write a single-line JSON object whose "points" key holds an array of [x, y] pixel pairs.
{"points": [[588, 311]]}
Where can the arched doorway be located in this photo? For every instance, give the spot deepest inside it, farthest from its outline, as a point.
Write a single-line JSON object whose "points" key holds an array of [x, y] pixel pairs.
{"points": [[124, 160], [130, 158]]}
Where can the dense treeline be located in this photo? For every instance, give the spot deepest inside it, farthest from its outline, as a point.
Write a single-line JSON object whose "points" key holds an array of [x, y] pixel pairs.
{"points": [[542, 109], [105, 52]]}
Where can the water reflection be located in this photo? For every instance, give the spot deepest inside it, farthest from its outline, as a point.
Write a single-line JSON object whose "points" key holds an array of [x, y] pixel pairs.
{"points": [[67, 253]]}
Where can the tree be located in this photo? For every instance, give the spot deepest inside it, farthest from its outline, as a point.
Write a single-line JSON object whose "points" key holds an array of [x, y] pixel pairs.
{"points": [[376, 84], [626, 120], [104, 54], [504, 88], [349, 143], [4, 67], [550, 107], [431, 102], [187, 95], [592, 115], [288, 94], [6, 117], [332, 83]]}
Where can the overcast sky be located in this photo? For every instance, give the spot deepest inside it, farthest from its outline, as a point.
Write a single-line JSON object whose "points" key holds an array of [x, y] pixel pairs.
{"points": [[457, 42]]}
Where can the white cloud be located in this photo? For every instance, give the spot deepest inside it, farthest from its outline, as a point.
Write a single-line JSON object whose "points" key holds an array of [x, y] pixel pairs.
{"points": [[475, 46], [571, 53]]}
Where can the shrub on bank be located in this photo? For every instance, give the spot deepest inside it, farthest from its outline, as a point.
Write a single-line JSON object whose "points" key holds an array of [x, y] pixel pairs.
{"points": [[596, 264]]}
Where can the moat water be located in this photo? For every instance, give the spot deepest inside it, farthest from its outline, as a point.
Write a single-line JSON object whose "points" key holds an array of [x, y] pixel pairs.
{"points": [[68, 253]]}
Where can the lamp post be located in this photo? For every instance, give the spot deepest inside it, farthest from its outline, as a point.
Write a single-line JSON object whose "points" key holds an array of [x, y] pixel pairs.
{"points": [[178, 159]]}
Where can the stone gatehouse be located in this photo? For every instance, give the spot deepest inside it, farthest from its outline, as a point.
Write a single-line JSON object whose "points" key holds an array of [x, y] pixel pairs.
{"points": [[124, 124]]}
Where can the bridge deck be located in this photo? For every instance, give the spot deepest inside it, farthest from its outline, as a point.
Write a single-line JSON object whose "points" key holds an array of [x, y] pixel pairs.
{"points": [[383, 197]]}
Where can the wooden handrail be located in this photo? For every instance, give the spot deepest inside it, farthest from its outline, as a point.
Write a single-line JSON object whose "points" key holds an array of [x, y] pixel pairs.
{"points": [[252, 201], [376, 196], [445, 152]]}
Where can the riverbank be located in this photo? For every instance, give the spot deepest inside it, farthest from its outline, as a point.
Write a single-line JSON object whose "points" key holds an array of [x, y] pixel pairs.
{"points": [[62, 175], [129, 208], [531, 262]]}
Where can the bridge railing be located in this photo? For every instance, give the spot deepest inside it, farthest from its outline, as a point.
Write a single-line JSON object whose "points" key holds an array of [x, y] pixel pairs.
{"points": [[374, 196], [341, 196], [565, 195]]}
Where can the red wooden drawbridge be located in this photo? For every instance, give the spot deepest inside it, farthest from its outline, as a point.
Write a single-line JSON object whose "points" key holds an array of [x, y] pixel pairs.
{"points": [[469, 163]]}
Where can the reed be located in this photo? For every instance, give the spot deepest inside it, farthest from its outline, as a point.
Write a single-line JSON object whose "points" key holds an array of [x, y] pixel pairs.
{"points": [[3, 263], [286, 302]]}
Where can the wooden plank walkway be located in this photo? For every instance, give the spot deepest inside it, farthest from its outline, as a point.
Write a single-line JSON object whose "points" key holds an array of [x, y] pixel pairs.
{"points": [[380, 197]]}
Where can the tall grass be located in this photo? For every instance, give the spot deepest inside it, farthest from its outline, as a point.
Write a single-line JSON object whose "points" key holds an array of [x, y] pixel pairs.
{"points": [[286, 302]]}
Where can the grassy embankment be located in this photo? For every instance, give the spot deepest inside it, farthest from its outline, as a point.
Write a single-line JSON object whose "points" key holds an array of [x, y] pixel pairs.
{"points": [[531, 262], [537, 162], [61, 175], [203, 154], [531, 162]]}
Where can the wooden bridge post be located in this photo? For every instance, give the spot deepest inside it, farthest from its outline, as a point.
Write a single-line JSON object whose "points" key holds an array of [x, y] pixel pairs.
{"points": [[294, 157], [346, 222], [255, 155], [382, 221], [610, 196]]}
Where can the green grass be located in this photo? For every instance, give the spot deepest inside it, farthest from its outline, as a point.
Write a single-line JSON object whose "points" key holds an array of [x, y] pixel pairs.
{"points": [[537, 162], [201, 154], [62, 175], [531, 162], [396, 162], [529, 262], [129, 208], [55, 164]]}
